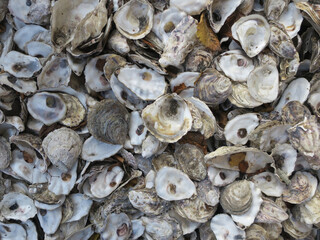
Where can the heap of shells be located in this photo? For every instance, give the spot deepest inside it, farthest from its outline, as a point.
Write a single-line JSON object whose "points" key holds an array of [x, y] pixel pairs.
{"points": [[159, 119]]}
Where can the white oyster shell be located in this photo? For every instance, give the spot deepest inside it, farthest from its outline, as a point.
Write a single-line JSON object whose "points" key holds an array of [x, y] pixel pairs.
{"points": [[269, 184], [81, 206], [285, 157], [12, 231], [152, 146], [241, 97], [221, 177], [137, 130], [253, 33], [50, 219], [185, 79], [168, 118], [291, 18], [172, 184], [224, 228], [191, 7], [26, 34]]}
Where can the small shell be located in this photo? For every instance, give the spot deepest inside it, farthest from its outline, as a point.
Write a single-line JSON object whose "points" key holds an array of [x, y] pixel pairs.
{"points": [[63, 147], [50, 219], [5, 153], [256, 232], [273, 9], [236, 198], [108, 122], [47, 107], [270, 212], [285, 157], [152, 146], [134, 19], [168, 118], [191, 161], [253, 33], [295, 228], [118, 42], [12, 231], [221, 177], [81, 206], [172, 184], [164, 160], [198, 59], [75, 113], [212, 87], [294, 112], [224, 228], [191, 7], [117, 227], [269, 184], [291, 18], [137, 130], [310, 210], [241, 97]]}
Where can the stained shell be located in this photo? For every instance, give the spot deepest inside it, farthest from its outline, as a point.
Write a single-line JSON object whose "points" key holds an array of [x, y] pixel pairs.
{"points": [[294, 112], [271, 212], [269, 184], [223, 227], [255, 232], [221, 177], [108, 122]]}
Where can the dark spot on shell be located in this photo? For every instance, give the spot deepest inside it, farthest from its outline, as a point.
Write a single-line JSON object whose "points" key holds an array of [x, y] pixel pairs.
{"points": [[268, 178], [173, 107], [63, 63], [140, 129], [146, 76], [240, 62], [124, 95], [216, 16], [122, 230], [172, 188], [14, 206], [43, 212], [7, 229], [142, 23], [242, 133], [18, 67], [243, 166], [112, 184], [51, 102], [27, 157], [28, 3], [278, 160], [66, 177], [222, 175], [100, 64], [12, 79], [168, 27]]}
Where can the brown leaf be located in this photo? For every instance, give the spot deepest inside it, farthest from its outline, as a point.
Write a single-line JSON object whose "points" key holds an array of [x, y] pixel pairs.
{"points": [[206, 35]]}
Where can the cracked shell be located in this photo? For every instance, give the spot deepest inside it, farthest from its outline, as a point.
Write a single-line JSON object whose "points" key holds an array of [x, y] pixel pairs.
{"points": [[108, 122], [168, 118]]}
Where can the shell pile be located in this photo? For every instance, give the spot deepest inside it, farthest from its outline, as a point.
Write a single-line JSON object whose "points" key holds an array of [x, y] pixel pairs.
{"points": [[159, 119]]}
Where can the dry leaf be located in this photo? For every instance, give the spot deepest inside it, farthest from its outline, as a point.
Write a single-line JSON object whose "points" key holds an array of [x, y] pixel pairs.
{"points": [[206, 35]]}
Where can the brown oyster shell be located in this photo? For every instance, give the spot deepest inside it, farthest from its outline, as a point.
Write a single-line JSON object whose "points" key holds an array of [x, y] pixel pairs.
{"points": [[5, 153]]}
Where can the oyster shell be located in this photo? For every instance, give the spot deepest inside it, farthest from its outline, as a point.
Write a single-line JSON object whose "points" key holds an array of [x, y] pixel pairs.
{"points": [[271, 212], [108, 122], [269, 184], [5, 153], [224, 228], [191, 7], [134, 19], [221, 177], [291, 18], [255, 232], [168, 118]]}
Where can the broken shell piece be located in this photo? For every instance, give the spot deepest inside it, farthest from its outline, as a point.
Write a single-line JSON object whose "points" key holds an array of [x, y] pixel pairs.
{"points": [[134, 19], [235, 64], [117, 227], [95, 150], [180, 43], [118, 42], [291, 18], [221, 177], [248, 217], [137, 229], [137, 130], [50, 219], [241, 97], [270, 212], [219, 11], [47, 107], [26, 34], [191, 161], [31, 230], [263, 83], [208, 193], [236, 198], [17, 206], [191, 7], [172, 184], [166, 21], [63, 147], [302, 187], [285, 157], [223, 227], [239, 128], [105, 182], [269, 184], [108, 122], [212, 87], [168, 118], [280, 42], [21, 65], [81, 206], [147, 201], [38, 12], [75, 113], [60, 182], [295, 228], [294, 112], [12, 231], [248, 160], [184, 82], [253, 33], [5, 153], [19, 85], [145, 83]]}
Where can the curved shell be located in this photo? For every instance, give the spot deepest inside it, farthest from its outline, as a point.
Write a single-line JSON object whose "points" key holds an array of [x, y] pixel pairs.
{"points": [[212, 87], [223, 227], [241, 97], [296, 229], [221, 177], [5, 153], [236, 198], [253, 33], [118, 226], [168, 118], [108, 122], [269, 184], [294, 112], [47, 107], [291, 18], [191, 7], [270, 212], [256, 232], [172, 184], [75, 112], [134, 20]]}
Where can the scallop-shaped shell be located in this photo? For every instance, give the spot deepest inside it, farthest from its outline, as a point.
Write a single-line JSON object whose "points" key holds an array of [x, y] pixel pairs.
{"points": [[172, 184], [168, 118], [134, 19], [108, 122], [235, 64], [191, 160], [47, 107], [263, 83], [212, 87], [5, 153], [63, 147], [198, 59], [253, 33], [302, 187], [236, 198]]}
